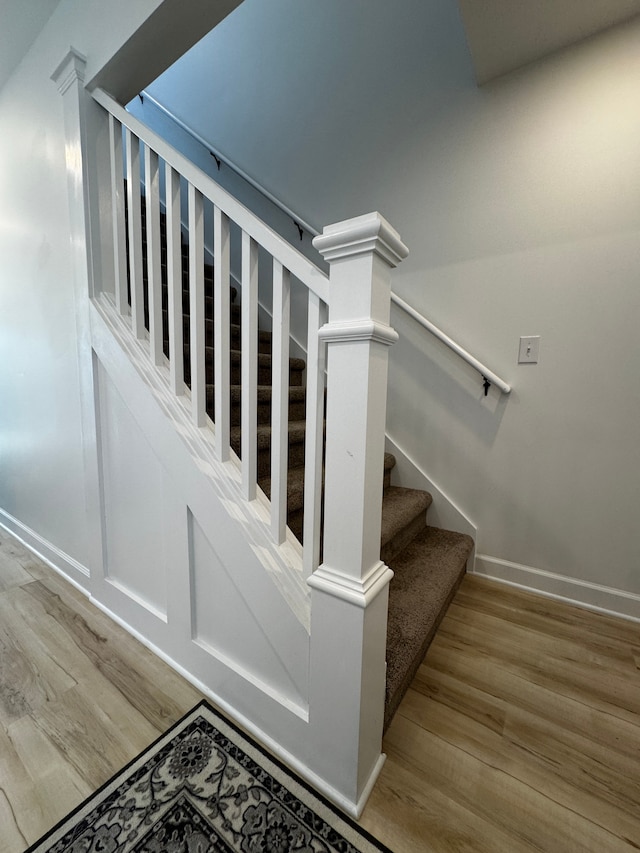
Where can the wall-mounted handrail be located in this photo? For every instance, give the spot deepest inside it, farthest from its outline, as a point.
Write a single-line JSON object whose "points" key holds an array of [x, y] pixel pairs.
{"points": [[220, 157], [488, 375]]}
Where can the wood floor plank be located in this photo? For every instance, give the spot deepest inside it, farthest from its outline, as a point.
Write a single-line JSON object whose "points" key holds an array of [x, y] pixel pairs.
{"points": [[96, 729], [552, 618], [516, 808], [12, 573], [409, 814], [460, 687], [544, 757], [29, 671], [521, 731], [146, 681], [55, 786], [577, 645], [592, 683], [11, 838]]}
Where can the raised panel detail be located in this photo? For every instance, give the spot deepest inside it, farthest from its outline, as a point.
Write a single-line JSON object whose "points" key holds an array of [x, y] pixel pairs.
{"points": [[134, 483], [226, 625]]}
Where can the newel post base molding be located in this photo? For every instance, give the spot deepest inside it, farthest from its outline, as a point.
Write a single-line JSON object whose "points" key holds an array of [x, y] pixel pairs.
{"points": [[349, 591]]}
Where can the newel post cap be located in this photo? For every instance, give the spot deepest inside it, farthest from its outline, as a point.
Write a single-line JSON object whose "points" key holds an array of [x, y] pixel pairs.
{"points": [[69, 70], [367, 234]]}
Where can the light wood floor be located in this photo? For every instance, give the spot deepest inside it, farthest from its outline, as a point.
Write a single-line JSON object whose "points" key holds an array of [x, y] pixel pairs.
{"points": [[521, 731]]}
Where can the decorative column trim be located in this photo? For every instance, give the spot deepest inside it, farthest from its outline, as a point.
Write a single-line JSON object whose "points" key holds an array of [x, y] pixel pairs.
{"points": [[344, 587], [361, 236], [358, 330], [70, 70]]}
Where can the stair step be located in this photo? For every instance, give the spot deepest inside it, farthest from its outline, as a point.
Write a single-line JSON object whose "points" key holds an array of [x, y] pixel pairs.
{"points": [[296, 367], [235, 317], [295, 494], [296, 446], [295, 489], [297, 403], [389, 465], [235, 330], [403, 517], [426, 576]]}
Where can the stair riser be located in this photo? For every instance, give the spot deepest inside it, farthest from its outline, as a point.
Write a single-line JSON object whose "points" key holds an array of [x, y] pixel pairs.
{"points": [[235, 375], [296, 411], [402, 539], [296, 457]]}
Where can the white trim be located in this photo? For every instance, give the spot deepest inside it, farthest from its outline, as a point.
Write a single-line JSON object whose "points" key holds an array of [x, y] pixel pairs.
{"points": [[358, 330], [360, 592], [46, 551], [308, 273], [444, 512], [581, 593], [353, 809], [362, 235]]}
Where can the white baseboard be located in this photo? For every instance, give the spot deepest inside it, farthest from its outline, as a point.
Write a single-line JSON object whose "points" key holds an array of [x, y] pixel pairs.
{"points": [[58, 560], [593, 596]]}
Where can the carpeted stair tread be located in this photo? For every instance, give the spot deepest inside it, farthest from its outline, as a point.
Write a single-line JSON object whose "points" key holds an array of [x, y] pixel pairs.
{"points": [[403, 515], [426, 576], [297, 403], [295, 488], [263, 435]]}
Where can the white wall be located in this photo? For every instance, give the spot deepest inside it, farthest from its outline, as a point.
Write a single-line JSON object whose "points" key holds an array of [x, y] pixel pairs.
{"points": [[520, 203], [42, 491]]}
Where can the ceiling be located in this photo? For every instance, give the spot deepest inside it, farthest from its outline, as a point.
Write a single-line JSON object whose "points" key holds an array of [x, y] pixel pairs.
{"points": [[20, 23], [502, 34], [506, 34]]}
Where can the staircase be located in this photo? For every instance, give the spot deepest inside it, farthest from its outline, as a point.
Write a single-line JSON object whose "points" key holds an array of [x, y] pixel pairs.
{"points": [[281, 574], [428, 563]]}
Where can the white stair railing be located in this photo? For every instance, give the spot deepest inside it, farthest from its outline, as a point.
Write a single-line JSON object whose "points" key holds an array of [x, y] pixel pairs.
{"points": [[348, 316], [143, 146]]}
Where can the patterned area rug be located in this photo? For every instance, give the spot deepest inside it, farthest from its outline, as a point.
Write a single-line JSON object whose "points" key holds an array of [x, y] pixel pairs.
{"points": [[204, 787]]}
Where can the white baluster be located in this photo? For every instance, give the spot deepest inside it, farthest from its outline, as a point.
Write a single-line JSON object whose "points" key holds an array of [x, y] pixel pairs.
{"points": [[196, 307], [280, 401], [317, 316], [221, 331], [117, 213], [174, 280], [249, 413], [154, 272], [135, 233]]}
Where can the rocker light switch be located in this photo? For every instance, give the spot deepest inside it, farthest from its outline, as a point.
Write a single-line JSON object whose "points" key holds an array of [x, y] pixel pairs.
{"points": [[529, 349]]}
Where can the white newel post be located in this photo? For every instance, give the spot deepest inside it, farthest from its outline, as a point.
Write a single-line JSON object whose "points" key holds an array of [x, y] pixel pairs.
{"points": [[350, 589], [69, 78]]}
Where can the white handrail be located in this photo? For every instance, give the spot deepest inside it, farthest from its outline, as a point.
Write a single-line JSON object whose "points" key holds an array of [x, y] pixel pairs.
{"points": [[487, 374], [299, 266]]}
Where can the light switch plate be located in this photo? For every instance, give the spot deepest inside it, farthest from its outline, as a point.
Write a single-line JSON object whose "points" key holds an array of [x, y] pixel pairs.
{"points": [[529, 350]]}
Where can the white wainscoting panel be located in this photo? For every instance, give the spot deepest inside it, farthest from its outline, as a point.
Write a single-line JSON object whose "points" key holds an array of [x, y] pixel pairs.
{"points": [[226, 626], [133, 485]]}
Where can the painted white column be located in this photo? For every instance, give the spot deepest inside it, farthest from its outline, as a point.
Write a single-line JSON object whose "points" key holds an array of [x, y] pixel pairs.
{"points": [[69, 77], [350, 588]]}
